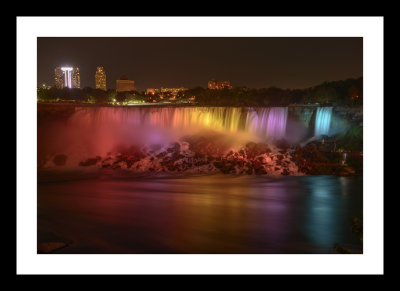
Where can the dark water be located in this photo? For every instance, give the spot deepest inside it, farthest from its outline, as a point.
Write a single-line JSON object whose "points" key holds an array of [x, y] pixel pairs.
{"points": [[201, 214]]}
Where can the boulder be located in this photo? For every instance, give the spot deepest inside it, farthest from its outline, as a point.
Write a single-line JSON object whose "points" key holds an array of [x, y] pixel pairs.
{"points": [[260, 171], [282, 144], [285, 172], [90, 162], [256, 149], [174, 147], [155, 147], [161, 155]]}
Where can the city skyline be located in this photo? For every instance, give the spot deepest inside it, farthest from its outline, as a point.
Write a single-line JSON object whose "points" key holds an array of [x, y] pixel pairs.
{"points": [[289, 63]]}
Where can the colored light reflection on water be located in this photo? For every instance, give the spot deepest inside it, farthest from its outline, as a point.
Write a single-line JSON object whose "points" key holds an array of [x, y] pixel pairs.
{"points": [[201, 214]]}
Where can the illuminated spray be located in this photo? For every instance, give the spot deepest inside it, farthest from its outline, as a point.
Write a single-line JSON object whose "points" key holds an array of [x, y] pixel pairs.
{"points": [[323, 121], [99, 129]]}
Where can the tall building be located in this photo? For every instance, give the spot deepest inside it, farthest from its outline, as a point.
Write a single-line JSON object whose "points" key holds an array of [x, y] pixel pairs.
{"points": [[76, 78], [59, 78], [219, 85], [100, 79], [125, 85], [67, 77]]}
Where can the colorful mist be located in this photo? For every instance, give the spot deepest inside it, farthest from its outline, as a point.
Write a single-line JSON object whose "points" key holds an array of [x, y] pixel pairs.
{"points": [[98, 130]]}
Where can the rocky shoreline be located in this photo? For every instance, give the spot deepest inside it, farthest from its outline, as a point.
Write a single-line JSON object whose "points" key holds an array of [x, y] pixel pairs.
{"points": [[200, 155]]}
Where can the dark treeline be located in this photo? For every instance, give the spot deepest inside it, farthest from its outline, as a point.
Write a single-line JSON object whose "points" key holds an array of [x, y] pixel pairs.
{"points": [[348, 92], [87, 94]]}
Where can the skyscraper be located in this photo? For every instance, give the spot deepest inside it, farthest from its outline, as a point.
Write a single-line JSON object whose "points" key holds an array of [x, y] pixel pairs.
{"points": [[67, 77], [59, 78], [100, 78], [76, 78]]}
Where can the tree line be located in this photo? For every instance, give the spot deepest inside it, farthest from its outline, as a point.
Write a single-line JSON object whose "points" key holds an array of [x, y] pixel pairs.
{"points": [[346, 92]]}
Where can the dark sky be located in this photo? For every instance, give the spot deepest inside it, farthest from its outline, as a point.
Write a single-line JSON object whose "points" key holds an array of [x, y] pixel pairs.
{"points": [[190, 62]]}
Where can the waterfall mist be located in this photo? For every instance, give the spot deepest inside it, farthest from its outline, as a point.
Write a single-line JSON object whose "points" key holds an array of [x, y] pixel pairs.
{"points": [[92, 131]]}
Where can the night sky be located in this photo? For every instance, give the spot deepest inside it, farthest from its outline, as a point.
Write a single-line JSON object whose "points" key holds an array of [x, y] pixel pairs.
{"points": [[190, 62]]}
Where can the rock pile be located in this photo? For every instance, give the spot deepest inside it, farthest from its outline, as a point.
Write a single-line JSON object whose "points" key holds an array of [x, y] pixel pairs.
{"points": [[207, 155], [202, 156]]}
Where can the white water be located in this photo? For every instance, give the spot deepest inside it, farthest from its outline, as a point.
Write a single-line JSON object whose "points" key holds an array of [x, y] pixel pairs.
{"points": [[267, 122], [323, 121], [261, 122]]}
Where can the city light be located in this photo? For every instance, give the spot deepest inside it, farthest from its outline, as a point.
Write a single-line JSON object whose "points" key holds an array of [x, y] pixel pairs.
{"points": [[67, 76]]}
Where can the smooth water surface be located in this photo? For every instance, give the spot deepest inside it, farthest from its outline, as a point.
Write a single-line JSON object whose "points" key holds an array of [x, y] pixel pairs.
{"points": [[200, 214]]}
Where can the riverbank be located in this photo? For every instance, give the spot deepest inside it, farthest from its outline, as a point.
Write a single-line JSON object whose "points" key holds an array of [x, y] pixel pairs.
{"points": [[207, 155]]}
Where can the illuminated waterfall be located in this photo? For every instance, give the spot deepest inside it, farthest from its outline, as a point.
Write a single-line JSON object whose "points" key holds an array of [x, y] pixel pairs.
{"points": [[216, 118], [265, 123], [268, 122], [323, 121]]}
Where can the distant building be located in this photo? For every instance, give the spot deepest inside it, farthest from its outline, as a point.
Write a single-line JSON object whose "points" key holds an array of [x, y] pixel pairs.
{"points": [[67, 77], [214, 84], [173, 91], [125, 85], [152, 91], [100, 78]]}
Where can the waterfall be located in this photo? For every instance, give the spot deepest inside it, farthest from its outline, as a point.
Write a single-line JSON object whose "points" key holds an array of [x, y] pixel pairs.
{"points": [[103, 127], [268, 122], [323, 121]]}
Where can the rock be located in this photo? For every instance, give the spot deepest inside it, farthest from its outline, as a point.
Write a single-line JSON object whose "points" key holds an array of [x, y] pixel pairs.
{"points": [[176, 146], [155, 147], [185, 146], [176, 156], [282, 144], [249, 172], [251, 146], [256, 149], [90, 162], [260, 171], [345, 171], [285, 172], [48, 247], [60, 160], [161, 155], [106, 163], [213, 145], [218, 165]]}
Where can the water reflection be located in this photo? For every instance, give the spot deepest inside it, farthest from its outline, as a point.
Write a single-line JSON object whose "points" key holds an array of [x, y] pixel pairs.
{"points": [[329, 212], [200, 214]]}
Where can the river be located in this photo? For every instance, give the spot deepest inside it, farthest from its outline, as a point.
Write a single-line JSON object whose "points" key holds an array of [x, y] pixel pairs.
{"points": [[203, 214]]}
